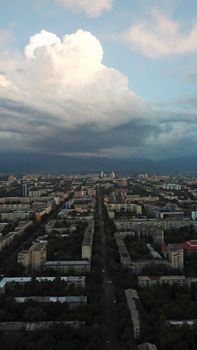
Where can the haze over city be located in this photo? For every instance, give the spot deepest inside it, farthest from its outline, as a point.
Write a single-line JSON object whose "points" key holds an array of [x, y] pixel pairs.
{"points": [[99, 78]]}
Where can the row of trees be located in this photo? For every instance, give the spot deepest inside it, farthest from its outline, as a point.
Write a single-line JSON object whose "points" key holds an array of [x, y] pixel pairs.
{"points": [[10, 311], [66, 248], [122, 279], [58, 337], [137, 248]]}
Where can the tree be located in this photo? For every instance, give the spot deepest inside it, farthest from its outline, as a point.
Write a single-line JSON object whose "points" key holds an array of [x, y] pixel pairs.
{"points": [[35, 314]]}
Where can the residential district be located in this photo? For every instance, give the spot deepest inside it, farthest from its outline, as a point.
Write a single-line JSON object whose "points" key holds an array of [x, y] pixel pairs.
{"points": [[98, 261]]}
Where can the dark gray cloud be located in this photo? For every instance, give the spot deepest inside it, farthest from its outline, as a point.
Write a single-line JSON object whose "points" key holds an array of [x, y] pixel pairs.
{"points": [[87, 139], [29, 129]]}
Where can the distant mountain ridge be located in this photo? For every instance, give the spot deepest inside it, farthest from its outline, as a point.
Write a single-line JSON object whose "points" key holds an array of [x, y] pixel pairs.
{"points": [[37, 162]]}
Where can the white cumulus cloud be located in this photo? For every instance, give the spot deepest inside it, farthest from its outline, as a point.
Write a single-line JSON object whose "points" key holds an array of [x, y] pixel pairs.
{"points": [[41, 39], [68, 80], [161, 36], [92, 8]]}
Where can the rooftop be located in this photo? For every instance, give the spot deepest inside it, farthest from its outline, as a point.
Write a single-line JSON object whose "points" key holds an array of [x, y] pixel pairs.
{"points": [[69, 262]]}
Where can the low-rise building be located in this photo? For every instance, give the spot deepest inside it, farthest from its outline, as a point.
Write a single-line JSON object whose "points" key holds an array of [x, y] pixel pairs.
{"points": [[23, 258], [7, 240], [138, 265], [172, 186], [132, 299], [147, 346], [86, 249], [23, 225], [165, 224], [36, 326], [14, 216], [151, 281], [190, 247], [130, 207], [153, 252], [56, 226], [72, 301], [187, 323], [142, 199], [6, 282], [41, 212], [81, 267], [124, 255]]}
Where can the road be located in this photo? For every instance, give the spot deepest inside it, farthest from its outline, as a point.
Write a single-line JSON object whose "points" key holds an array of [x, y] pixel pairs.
{"points": [[111, 339]]}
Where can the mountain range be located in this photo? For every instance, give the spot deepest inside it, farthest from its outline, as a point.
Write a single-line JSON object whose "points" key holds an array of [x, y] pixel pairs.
{"points": [[36, 162]]}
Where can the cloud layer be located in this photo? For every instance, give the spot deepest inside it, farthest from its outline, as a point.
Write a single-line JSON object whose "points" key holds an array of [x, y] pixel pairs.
{"points": [[161, 36], [58, 97], [67, 79], [92, 8], [60, 89]]}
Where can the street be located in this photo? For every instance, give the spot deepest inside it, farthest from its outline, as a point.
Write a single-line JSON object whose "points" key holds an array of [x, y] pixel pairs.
{"points": [[110, 339]]}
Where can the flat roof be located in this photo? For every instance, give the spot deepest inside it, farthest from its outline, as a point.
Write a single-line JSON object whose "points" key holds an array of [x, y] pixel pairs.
{"points": [[33, 326], [37, 246], [69, 262], [6, 280], [169, 277], [48, 299]]}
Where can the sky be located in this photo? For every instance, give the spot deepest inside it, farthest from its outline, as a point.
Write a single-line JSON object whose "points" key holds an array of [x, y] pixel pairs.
{"points": [[112, 78]]}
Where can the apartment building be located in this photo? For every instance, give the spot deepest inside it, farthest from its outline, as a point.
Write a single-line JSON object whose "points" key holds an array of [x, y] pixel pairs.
{"points": [[147, 346], [124, 255], [176, 256], [36, 326], [151, 281], [138, 266], [86, 249], [132, 300], [81, 267], [14, 216], [131, 207], [6, 282], [7, 240], [73, 301], [34, 257], [151, 223]]}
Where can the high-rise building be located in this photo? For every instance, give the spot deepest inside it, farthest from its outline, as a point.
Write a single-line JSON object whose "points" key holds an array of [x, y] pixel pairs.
{"points": [[176, 256], [24, 190]]}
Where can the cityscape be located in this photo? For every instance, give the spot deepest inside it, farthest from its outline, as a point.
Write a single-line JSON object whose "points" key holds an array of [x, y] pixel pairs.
{"points": [[98, 261], [98, 175]]}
